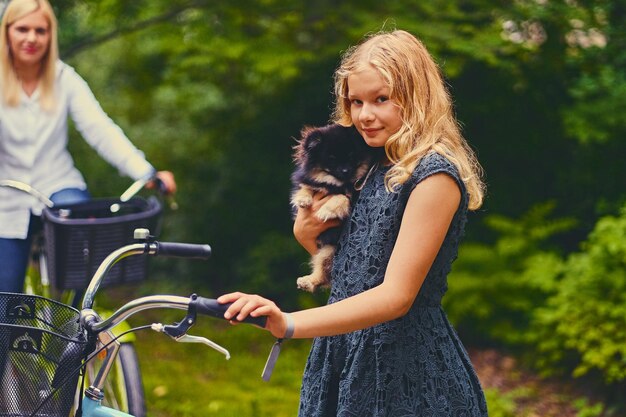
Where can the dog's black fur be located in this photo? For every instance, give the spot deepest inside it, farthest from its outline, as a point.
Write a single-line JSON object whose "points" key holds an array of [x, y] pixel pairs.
{"points": [[331, 160]]}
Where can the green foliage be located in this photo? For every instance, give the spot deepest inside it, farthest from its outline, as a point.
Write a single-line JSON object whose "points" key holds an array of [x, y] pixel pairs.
{"points": [[599, 100], [589, 410], [494, 288], [567, 316], [590, 42], [503, 404], [585, 320]]}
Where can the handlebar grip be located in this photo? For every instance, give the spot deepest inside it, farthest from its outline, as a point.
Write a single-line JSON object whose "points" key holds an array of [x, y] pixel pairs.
{"points": [[210, 307], [183, 250], [160, 186]]}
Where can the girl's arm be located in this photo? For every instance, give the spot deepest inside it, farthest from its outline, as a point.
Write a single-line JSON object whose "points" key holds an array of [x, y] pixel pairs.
{"points": [[425, 222]]}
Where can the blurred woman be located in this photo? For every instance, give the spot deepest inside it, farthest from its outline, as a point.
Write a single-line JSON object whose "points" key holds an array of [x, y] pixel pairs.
{"points": [[38, 93]]}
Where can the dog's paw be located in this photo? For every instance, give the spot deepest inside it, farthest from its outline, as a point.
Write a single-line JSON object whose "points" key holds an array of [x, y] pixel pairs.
{"points": [[337, 207], [326, 213], [305, 284], [341, 211], [302, 199]]}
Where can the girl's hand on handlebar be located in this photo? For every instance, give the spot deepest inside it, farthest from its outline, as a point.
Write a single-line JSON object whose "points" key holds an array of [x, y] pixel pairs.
{"points": [[255, 306], [168, 181]]}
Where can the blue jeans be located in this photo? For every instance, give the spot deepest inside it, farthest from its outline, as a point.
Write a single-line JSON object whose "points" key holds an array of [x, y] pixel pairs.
{"points": [[14, 252]]}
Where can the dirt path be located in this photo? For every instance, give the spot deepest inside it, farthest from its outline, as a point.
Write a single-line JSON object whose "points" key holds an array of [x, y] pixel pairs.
{"points": [[537, 397]]}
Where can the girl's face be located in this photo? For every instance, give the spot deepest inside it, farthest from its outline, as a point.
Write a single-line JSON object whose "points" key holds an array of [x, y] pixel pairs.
{"points": [[375, 115], [29, 39]]}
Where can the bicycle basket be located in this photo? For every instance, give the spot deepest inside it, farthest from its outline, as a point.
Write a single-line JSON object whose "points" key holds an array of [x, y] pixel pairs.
{"points": [[79, 236], [41, 350]]}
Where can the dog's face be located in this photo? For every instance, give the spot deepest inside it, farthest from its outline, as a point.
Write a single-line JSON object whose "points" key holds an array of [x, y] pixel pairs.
{"points": [[336, 151]]}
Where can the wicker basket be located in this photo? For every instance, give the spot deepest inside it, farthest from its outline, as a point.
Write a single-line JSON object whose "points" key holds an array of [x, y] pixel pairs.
{"points": [[78, 237], [41, 351]]}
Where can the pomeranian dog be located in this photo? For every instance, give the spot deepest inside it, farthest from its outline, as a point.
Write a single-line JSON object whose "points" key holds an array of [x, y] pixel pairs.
{"points": [[330, 160]]}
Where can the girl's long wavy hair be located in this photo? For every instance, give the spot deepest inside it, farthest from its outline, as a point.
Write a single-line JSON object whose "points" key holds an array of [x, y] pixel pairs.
{"points": [[9, 82], [418, 88]]}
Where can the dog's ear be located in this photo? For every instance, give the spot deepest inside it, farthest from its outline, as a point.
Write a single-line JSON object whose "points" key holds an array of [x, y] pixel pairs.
{"points": [[299, 151], [312, 139]]}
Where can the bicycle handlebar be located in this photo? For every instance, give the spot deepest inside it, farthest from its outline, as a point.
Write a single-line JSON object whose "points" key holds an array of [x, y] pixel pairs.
{"points": [[135, 187], [182, 250], [22, 186], [210, 307], [170, 249], [138, 185], [205, 306]]}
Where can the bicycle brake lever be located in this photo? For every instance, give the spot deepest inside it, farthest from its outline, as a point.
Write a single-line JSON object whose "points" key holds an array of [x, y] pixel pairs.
{"points": [[187, 338]]}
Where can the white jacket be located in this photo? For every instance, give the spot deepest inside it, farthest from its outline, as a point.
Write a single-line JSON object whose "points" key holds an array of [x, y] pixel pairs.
{"points": [[33, 147]]}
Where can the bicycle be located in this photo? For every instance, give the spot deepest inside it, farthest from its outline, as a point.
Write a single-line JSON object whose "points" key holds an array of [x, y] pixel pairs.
{"points": [[74, 240], [49, 343]]}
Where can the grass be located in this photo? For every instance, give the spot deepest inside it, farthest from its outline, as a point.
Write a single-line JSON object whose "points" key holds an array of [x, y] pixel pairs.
{"points": [[502, 404]]}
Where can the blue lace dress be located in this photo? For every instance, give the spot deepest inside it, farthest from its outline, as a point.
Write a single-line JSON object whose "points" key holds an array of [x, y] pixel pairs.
{"points": [[411, 366]]}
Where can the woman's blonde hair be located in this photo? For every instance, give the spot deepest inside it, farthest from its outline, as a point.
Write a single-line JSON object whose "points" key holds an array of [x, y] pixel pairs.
{"points": [[428, 121], [9, 82]]}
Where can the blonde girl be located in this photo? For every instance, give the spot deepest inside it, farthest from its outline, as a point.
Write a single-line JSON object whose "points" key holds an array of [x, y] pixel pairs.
{"points": [[382, 345]]}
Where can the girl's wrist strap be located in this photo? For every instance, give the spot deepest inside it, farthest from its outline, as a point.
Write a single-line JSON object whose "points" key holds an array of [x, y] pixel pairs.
{"points": [[290, 326], [273, 357]]}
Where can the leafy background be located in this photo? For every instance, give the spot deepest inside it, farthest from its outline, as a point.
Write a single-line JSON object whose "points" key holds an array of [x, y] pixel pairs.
{"points": [[216, 92]]}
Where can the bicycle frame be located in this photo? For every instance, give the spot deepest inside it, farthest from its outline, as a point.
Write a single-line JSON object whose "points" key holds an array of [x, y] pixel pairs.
{"points": [[94, 408]]}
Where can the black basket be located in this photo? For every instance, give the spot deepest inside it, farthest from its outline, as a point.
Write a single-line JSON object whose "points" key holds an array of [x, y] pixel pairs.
{"points": [[41, 351], [78, 237]]}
